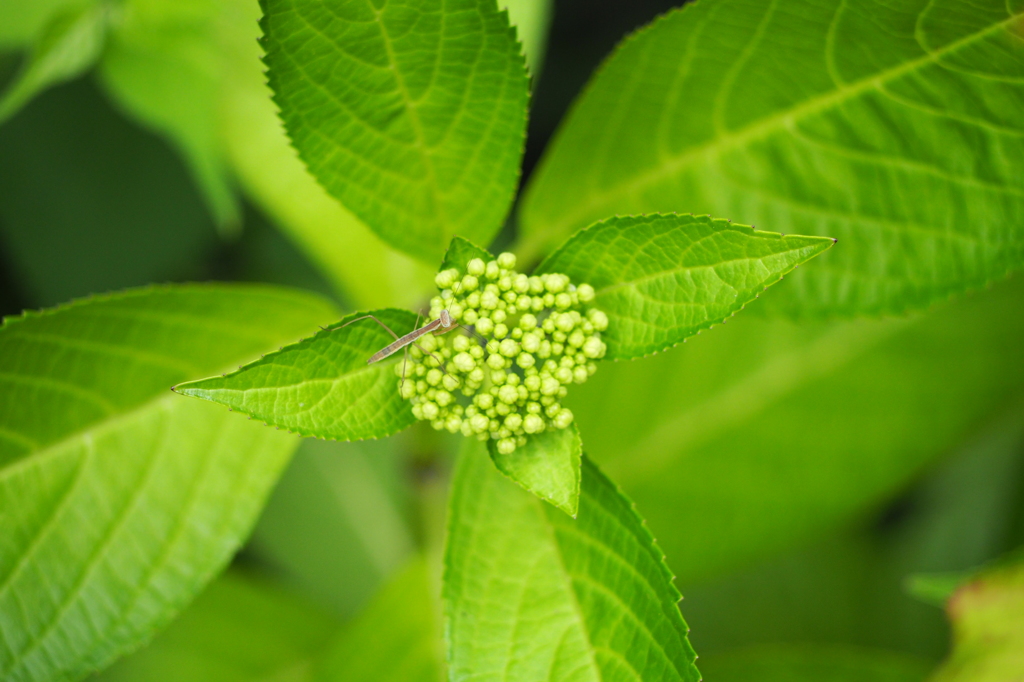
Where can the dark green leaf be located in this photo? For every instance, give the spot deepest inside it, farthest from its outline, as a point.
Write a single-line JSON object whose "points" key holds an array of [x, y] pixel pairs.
{"points": [[411, 114], [893, 126], [788, 663], [548, 466], [118, 499], [66, 49], [531, 594], [662, 278], [461, 251], [396, 638], [322, 386], [240, 629], [773, 431]]}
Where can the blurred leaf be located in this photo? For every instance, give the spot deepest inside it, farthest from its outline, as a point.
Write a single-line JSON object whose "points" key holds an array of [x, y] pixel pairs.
{"points": [[322, 386], [412, 115], [893, 126], [988, 629], [531, 594], [773, 431], [336, 523], [935, 588], [531, 19], [240, 629], [367, 272], [119, 500], [24, 21], [164, 65], [662, 278], [396, 638], [91, 203], [813, 664], [66, 49], [548, 466], [461, 251]]}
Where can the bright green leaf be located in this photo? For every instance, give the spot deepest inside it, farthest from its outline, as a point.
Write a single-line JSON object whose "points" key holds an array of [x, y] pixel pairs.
{"points": [[461, 251], [988, 629], [163, 64], [548, 466], [774, 431], [788, 663], [24, 21], [893, 126], [322, 386], [366, 271], [531, 594], [118, 499], [240, 629], [662, 278], [396, 638], [412, 114], [66, 49]]}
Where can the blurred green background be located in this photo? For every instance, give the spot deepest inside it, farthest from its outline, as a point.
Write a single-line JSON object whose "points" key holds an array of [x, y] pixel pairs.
{"points": [[91, 200]]}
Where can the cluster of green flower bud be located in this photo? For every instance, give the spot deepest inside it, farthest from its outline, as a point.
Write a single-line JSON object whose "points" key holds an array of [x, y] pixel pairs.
{"points": [[502, 373]]}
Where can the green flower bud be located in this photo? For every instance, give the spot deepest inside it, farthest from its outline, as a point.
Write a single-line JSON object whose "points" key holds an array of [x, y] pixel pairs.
{"points": [[476, 267], [508, 348], [533, 423], [566, 361], [455, 311], [532, 383], [407, 390], [528, 322], [473, 300], [545, 349], [506, 446], [577, 338], [484, 401], [469, 283], [557, 349], [547, 400], [489, 300], [429, 411], [443, 398], [549, 300], [598, 318], [453, 424], [507, 260], [585, 292], [492, 270], [549, 385], [516, 334], [593, 347], [476, 376], [534, 408], [564, 322], [502, 408], [464, 362], [563, 301], [559, 337], [434, 377], [499, 316], [505, 283], [467, 429], [421, 386], [524, 303], [446, 278], [498, 377], [495, 361], [428, 343], [525, 360], [450, 382], [479, 423], [562, 419], [513, 422], [552, 409], [579, 375], [485, 326], [521, 283], [508, 394], [476, 352], [500, 330], [564, 375]]}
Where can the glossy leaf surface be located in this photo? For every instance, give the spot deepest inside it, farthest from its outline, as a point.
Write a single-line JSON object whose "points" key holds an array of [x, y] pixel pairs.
{"points": [[532, 594], [412, 114], [322, 386], [118, 499], [461, 251], [662, 278], [773, 431], [892, 126]]}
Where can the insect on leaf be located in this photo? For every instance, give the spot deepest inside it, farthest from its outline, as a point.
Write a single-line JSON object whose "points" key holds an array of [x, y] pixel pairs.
{"points": [[322, 386]]}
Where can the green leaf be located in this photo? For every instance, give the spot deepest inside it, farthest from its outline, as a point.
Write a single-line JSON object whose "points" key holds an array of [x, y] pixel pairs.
{"points": [[935, 588], [662, 278], [322, 386], [395, 638], [240, 628], [775, 431], [412, 114], [531, 594], [163, 65], [66, 49], [24, 21], [461, 251], [863, 121], [365, 271], [988, 629], [789, 663], [548, 466], [118, 499]]}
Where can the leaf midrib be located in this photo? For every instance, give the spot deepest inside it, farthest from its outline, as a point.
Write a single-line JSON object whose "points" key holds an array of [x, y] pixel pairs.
{"points": [[672, 164]]}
